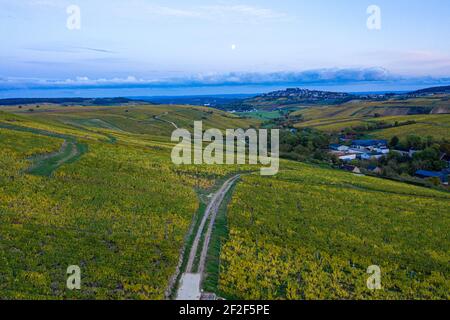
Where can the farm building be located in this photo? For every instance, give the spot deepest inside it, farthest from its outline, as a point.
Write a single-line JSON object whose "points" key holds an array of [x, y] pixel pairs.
{"points": [[347, 157], [338, 147], [409, 153], [442, 175], [372, 156], [375, 169], [364, 144], [352, 169]]}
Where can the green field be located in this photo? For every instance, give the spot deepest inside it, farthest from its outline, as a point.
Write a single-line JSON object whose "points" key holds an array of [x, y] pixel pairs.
{"points": [[137, 119], [260, 115], [95, 187], [356, 114], [437, 126], [386, 108], [311, 233], [120, 209]]}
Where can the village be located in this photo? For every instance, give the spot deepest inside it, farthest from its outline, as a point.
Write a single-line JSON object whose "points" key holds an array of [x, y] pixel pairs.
{"points": [[373, 150]]}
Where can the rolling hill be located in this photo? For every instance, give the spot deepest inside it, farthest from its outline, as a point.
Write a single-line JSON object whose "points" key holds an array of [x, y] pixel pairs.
{"points": [[427, 101], [433, 90], [424, 116], [68, 101], [312, 233], [289, 98], [121, 210]]}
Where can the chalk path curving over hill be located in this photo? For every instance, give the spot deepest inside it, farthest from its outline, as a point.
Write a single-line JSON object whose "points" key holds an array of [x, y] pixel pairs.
{"points": [[166, 121]]}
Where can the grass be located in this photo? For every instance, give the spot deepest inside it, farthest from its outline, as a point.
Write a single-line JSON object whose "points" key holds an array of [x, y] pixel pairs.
{"points": [[121, 212], [431, 117], [139, 119], [46, 164], [311, 233], [363, 109], [437, 126], [261, 115]]}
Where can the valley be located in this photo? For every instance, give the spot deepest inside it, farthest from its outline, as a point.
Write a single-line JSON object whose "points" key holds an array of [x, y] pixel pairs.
{"points": [[94, 186]]}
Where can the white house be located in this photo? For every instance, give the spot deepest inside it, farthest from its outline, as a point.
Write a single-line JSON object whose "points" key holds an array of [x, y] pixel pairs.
{"points": [[356, 151], [372, 156], [340, 148], [348, 157], [382, 150]]}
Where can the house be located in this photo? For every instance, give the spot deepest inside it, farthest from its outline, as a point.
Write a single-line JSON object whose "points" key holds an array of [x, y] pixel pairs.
{"points": [[364, 144], [347, 137], [445, 157], [352, 169], [358, 152], [409, 153], [382, 150], [425, 174], [375, 169], [372, 156], [338, 147], [402, 153], [347, 157]]}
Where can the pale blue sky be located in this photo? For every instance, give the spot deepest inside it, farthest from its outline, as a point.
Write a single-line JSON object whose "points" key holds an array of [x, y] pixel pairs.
{"points": [[145, 42]]}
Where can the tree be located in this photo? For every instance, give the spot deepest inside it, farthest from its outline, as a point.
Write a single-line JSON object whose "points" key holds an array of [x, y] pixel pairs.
{"points": [[394, 142], [435, 181], [429, 159], [445, 148], [414, 142]]}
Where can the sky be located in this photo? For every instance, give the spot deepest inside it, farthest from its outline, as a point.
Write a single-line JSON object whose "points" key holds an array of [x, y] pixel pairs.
{"points": [[146, 47]]}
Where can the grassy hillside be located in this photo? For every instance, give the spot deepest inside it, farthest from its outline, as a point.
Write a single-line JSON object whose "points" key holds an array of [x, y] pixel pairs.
{"points": [[101, 213], [391, 107], [135, 119], [289, 98], [311, 233], [120, 210], [422, 116], [437, 126]]}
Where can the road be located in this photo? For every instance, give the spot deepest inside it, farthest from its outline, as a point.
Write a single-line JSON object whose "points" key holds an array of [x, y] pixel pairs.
{"points": [[166, 121], [190, 284], [46, 164]]}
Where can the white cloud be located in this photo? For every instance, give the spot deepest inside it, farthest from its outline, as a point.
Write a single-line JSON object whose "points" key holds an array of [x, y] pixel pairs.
{"points": [[210, 12], [243, 10], [322, 76], [166, 11], [46, 3]]}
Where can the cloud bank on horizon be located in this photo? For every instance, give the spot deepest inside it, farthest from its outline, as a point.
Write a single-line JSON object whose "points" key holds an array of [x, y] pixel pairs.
{"points": [[157, 44], [310, 77]]}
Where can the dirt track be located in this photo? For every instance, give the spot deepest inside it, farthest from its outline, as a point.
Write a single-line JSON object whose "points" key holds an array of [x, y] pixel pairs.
{"points": [[166, 121], [190, 286]]}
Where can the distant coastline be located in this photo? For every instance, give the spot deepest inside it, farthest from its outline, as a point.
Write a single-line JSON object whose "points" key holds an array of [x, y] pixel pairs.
{"points": [[193, 91]]}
